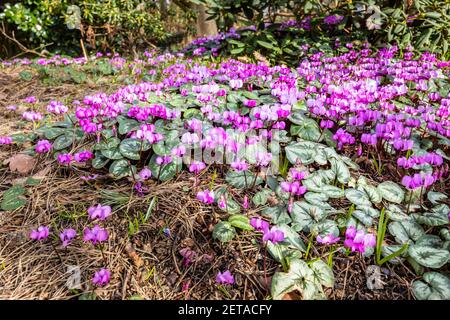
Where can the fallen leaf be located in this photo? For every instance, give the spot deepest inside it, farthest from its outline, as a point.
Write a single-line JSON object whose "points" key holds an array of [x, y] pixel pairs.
{"points": [[137, 260], [21, 163]]}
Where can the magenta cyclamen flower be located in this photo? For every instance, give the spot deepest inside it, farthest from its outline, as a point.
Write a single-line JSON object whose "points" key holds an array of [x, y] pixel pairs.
{"points": [[64, 158], [225, 278], [259, 224], [328, 239], [239, 165], [43, 146], [83, 156], [101, 277], [95, 235], [99, 212], [66, 236], [32, 116], [163, 160], [196, 167], [40, 233], [294, 188], [273, 235], [145, 174], [6, 140], [358, 240], [206, 196]]}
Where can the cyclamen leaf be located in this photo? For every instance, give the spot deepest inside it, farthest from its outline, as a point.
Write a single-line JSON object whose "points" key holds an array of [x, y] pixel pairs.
{"points": [[341, 170], [223, 231], [260, 198], [63, 141], [434, 286], [405, 231], [428, 256], [357, 197], [333, 191], [278, 214], [120, 168], [391, 192], [240, 221], [242, 179], [298, 278], [322, 273]]}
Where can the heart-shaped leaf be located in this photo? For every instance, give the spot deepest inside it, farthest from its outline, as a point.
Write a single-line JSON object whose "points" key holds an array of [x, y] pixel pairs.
{"points": [[223, 231], [435, 286], [428, 256], [391, 192]]}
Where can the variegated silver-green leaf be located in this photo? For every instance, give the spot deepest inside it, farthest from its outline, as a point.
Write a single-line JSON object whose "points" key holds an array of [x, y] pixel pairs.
{"points": [[333, 191], [391, 192], [341, 170], [435, 286], [357, 197], [428, 256]]}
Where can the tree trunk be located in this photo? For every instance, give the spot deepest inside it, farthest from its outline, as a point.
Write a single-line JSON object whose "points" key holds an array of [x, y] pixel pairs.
{"points": [[204, 27]]}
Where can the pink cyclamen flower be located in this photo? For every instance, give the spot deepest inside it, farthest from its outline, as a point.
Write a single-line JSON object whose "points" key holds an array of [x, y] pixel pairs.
{"points": [[6, 140], [32, 116], [43, 146], [163, 160], [225, 278], [101, 277], [273, 235], [66, 236], [40, 233], [99, 212], [31, 99], [95, 235], [196, 167], [239, 165], [64, 158], [83, 156], [206, 196], [259, 224], [145, 173], [358, 240], [328, 239], [294, 188]]}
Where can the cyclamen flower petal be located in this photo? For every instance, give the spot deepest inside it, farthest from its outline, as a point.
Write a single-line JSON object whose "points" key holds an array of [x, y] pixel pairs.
{"points": [[66, 236], [6, 140], [225, 278], [40, 233], [259, 224], [43, 146], [99, 212], [328, 239], [101, 278], [95, 235], [145, 173], [273, 235], [206, 196]]}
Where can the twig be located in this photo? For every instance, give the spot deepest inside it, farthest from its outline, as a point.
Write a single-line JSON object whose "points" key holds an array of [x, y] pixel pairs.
{"points": [[20, 45]]}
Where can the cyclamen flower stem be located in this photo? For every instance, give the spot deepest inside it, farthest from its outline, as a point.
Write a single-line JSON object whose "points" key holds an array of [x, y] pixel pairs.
{"points": [[264, 266], [103, 255], [159, 172], [330, 257], [245, 179], [254, 180], [421, 192], [56, 251], [409, 203]]}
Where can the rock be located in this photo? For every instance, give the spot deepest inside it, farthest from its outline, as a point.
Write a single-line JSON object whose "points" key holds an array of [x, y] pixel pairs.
{"points": [[21, 163]]}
